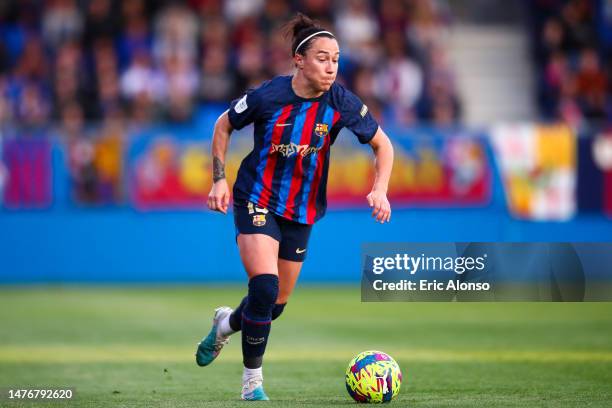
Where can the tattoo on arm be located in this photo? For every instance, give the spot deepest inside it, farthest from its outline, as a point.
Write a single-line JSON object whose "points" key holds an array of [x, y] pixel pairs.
{"points": [[218, 169]]}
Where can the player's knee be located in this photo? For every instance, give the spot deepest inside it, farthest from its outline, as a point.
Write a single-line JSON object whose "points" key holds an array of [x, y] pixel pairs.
{"points": [[263, 291], [278, 310]]}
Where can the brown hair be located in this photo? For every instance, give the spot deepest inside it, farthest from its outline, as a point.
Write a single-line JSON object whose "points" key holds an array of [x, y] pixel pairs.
{"points": [[300, 27]]}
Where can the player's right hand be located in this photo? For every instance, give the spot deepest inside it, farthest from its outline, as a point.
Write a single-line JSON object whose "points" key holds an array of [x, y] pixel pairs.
{"points": [[381, 209], [218, 198]]}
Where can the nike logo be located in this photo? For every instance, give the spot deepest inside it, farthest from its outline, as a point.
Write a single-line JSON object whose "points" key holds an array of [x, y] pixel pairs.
{"points": [[300, 251], [283, 124]]}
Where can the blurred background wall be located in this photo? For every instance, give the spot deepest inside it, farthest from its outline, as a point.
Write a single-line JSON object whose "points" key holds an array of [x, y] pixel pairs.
{"points": [[500, 117]]}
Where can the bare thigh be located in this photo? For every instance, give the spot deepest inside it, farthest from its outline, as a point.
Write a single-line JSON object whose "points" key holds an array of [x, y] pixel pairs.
{"points": [[259, 254]]}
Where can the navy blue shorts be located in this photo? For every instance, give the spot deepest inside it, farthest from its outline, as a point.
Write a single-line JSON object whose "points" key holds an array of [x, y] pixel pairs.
{"points": [[292, 236]]}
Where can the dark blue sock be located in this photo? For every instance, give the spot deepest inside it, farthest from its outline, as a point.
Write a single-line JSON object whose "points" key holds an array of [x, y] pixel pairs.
{"points": [[278, 310], [235, 319], [257, 318]]}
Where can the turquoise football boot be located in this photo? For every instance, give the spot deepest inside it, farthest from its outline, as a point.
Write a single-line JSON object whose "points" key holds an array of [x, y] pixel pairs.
{"points": [[210, 347], [252, 390]]}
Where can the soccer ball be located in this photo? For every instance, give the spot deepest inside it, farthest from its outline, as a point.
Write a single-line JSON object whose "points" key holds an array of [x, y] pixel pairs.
{"points": [[373, 376]]}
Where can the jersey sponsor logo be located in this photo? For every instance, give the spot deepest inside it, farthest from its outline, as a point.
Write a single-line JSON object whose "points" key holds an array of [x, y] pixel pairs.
{"points": [[300, 251], [291, 149], [259, 220], [241, 106], [363, 111], [321, 129]]}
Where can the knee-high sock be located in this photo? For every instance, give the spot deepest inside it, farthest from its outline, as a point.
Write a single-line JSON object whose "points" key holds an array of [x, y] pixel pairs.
{"points": [[257, 318], [235, 319], [278, 310]]}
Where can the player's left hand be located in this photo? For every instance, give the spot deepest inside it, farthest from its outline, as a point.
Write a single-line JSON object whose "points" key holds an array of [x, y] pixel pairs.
{"points": [[381, 209]]}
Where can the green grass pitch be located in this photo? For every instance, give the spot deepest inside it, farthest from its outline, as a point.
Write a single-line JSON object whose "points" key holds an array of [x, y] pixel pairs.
{"points": [[133, 347]]}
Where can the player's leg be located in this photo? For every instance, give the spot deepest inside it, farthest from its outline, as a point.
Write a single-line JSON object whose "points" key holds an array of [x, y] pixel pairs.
{"points": [[257, 235], [258, 241], [256, 324], [259, 255], [288, 272], [291, 256], [292, 253]]}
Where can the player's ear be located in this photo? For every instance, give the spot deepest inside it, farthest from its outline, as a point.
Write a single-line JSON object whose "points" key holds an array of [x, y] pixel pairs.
{"points": [[298, 60]]}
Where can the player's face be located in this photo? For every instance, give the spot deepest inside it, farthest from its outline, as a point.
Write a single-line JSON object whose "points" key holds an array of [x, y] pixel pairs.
{"points": [[320, 64]]}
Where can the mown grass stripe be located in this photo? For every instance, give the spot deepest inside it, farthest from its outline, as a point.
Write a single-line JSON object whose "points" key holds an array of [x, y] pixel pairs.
{"points": [[87, 354]]}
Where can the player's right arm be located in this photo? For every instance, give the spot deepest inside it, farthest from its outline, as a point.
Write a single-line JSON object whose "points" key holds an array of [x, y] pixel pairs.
{"points": [[218, 198], [242, 112]]}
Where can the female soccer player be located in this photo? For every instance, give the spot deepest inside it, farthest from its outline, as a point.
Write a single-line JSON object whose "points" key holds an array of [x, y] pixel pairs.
{"points": [[280, 190]]}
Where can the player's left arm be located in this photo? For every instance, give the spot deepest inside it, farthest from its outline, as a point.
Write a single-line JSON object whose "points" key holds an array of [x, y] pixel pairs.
{"points": [[383, 153]]}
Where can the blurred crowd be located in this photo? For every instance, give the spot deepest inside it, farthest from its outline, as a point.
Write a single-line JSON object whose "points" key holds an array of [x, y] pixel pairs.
{"points": [[73, 62], [574, 60]]}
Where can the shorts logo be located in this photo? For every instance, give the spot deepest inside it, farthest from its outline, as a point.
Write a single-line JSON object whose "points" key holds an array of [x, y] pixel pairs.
{"points": [[321, 129], [241, 106], [259, 220], [300, 251]]}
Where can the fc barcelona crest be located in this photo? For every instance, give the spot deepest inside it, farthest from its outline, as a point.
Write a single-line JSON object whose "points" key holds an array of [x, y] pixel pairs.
{"points": [[259, 220], [321, 129]]}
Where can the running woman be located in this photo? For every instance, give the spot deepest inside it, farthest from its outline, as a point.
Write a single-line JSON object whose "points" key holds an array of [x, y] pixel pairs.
{"points": [[280, 190]]}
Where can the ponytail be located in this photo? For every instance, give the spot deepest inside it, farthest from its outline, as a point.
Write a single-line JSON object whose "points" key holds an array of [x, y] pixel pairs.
{"points": [[303, 30]]}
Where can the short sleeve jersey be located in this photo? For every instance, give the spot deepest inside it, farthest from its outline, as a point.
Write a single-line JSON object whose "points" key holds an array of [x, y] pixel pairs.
{"points": [[286, 172]]}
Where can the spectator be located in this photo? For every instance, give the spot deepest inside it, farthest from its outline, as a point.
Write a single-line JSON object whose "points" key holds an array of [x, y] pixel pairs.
{"points": [[250, 64], [69, 75], [6, 106], [175, 34], [236, 10], [106, 93], [61, 22], [148, 60], [317, 9], [592, 85], [72, 121], [573, 78], [100, 22], [274, 14], [32, 64], [400, 80], [553, 39], [393, 15], [578, 23], [33, 107], [216, 82], [142, 79], [135, 38], [364, 86], [356, 25], [180, 84]]}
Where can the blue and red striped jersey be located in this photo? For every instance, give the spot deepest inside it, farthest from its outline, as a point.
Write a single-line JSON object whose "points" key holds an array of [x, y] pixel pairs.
{"points": [[286, 172]]}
